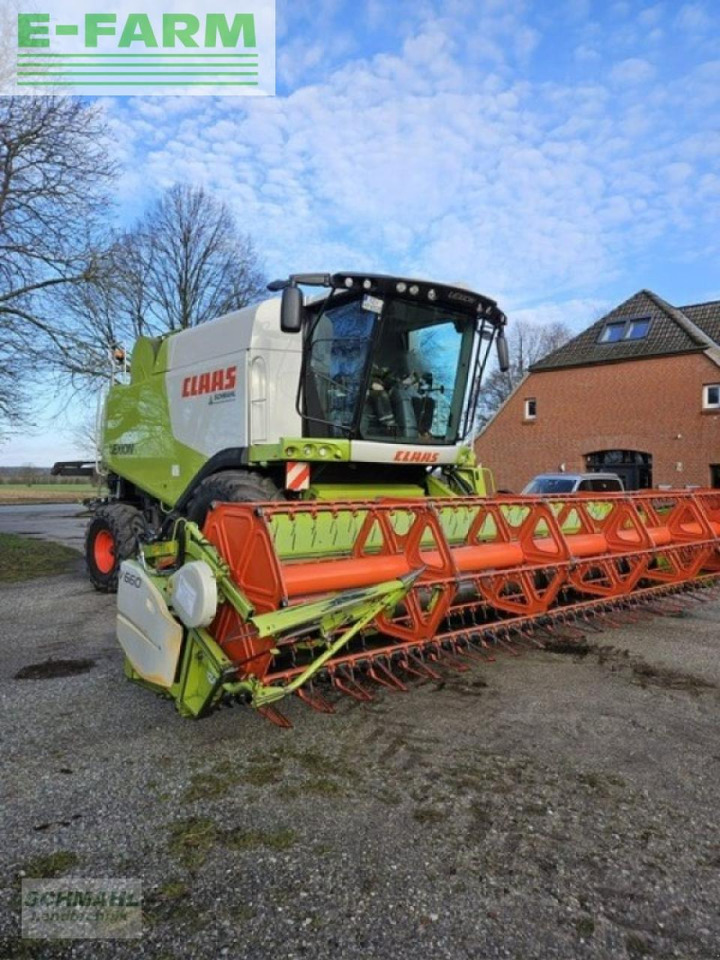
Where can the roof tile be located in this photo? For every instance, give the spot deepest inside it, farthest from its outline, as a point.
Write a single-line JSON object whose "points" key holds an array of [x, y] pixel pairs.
{"points": [[706, 316]]}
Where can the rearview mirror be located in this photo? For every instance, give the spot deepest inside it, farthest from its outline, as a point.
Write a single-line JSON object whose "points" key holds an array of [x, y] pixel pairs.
{"points": [[502, 352], [291, 310]]}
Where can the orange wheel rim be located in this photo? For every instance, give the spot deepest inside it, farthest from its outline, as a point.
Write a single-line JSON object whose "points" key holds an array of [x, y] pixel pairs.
{"points": [[104, 551]]}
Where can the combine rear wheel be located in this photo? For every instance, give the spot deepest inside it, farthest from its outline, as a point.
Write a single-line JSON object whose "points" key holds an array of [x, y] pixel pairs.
{"points": [[112, 536], [231, 486]]}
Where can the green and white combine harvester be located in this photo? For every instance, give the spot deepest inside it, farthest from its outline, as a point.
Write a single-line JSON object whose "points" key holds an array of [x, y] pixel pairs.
{"points": [[295, 505]]}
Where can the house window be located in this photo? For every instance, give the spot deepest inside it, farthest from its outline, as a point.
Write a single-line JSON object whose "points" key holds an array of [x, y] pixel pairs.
{"points": [[612, 332], [637, 329], [617, 330], [711, 396], [530, 408]]}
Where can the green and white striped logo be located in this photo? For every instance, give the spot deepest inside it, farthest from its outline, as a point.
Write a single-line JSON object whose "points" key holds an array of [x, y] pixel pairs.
{"points": [[145, 48]]}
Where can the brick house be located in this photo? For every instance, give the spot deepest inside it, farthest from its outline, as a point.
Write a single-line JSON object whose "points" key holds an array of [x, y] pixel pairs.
{"points": [[637, 394]]}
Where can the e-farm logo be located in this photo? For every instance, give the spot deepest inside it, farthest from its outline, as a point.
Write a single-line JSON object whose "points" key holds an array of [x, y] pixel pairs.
{"points": [[161, 48]]}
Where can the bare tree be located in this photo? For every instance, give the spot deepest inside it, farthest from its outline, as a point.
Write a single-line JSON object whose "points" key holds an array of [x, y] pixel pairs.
{"points": [[12, 406], [70, 290], [29, 474], [196, 262], [85, 433], [54, 172], [528, 343], [185, 262]]}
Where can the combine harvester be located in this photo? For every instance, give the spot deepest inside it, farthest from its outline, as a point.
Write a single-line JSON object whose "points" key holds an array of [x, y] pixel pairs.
{"points": [[294, 499]]}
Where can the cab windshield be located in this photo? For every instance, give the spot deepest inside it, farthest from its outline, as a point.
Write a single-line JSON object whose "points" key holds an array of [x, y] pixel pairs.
{"points": [[393, 370]]}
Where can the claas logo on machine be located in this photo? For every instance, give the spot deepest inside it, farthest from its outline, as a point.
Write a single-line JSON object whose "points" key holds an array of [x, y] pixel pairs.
{"points": [[215, 381], [416, 456]]}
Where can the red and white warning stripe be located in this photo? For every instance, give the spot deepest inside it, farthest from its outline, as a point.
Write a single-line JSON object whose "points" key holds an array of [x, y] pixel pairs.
{"points": [[297, 475]]}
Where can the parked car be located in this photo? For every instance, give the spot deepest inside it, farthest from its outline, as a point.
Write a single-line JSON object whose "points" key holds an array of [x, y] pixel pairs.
{"points": [[551, 483]]}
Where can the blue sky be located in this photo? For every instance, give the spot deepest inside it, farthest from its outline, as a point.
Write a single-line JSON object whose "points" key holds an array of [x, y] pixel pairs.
{"points": [[558, 156]]}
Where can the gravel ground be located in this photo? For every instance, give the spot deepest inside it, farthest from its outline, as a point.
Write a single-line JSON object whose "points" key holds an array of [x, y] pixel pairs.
{"points": [[554, 805]]}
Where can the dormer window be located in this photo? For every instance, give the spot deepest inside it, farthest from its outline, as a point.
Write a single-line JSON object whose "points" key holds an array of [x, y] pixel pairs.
{"points": [[637, 329], [617, 330], [612, 332]]}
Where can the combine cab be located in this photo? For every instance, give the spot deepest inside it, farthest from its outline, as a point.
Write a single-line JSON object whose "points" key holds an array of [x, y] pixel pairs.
{"points": [[296, 506]]}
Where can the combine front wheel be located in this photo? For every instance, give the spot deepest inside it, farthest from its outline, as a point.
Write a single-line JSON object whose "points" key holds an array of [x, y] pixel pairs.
{"points": [[112, 536], [230, 486]]}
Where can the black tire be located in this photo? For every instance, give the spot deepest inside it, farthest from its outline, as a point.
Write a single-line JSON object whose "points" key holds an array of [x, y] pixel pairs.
{"points": [[230, 486], [112, 536]]}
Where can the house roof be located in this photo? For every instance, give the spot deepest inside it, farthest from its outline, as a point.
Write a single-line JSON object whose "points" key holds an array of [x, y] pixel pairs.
{"points": [[706, 316], [672, 330]]}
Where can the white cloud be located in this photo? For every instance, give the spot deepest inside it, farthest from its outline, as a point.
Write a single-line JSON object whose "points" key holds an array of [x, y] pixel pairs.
{"points": [[693, 18], [577, 313], [631, 71], [526, 40], [426, 160], [576, 10], [650, 16], [584, 53], [677, 172]]}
